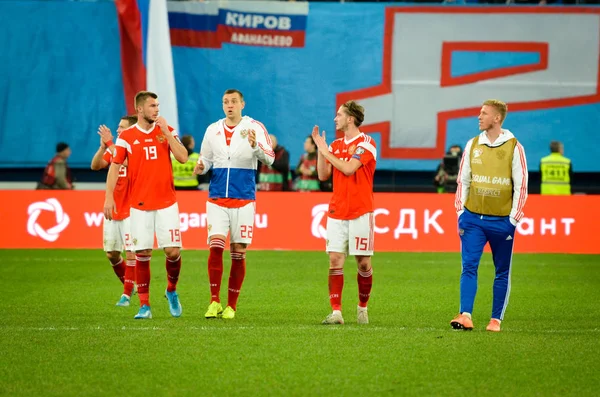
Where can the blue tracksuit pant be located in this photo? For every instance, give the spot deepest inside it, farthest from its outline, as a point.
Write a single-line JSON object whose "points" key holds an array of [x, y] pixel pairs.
{"points": [[475, 231]]}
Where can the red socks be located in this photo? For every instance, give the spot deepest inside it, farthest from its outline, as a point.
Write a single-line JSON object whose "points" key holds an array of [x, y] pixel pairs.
{"points": [[129, 277], [119, 268], [142, 278], [365, 282], [173, 269], [215, 272], [215, 268], [336, 284], [236, 277]]}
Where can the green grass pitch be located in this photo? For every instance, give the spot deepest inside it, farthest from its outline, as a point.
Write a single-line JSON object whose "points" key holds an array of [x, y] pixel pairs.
{"points": [[60, 333]]}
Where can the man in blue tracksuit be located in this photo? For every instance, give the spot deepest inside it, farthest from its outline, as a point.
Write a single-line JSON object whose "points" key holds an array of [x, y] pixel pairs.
{"points": [[491, 194]]}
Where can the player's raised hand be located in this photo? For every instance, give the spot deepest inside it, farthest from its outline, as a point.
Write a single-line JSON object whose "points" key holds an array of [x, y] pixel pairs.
{"points": [[162, 123], [105, 134], [252, 138], [315, 131], [109, 206], [320, 140], [199, 168]]}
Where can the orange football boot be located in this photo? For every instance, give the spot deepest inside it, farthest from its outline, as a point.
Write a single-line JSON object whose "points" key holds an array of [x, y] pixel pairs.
{"points": [[493, 326], [462, 322]]}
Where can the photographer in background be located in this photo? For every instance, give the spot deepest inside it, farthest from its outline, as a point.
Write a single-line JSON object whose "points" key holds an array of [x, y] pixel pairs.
{"points": [[57, 174], [447, 172]]}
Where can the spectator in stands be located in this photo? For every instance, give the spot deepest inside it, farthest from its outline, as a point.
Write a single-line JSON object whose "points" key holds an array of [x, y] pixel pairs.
{"points": [[556, 171], [183, 174], [447, 172], [57, 174], [308, 180], [277, 176]]}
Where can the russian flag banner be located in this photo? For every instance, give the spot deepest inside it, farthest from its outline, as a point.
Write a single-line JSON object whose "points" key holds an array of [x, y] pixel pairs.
{"points": [[146, 55], [255, 23]]}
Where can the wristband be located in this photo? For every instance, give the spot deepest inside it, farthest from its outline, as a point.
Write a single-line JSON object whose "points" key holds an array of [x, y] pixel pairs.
{"points": [[109, 143]]}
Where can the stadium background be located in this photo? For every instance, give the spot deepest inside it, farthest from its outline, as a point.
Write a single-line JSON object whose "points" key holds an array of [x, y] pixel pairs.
{"points": [[421, 73], [61, 76], [68, 75]]}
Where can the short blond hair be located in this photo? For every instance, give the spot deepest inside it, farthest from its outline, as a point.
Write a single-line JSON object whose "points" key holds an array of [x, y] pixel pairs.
{"points": [[499, 106], [355, 110]]}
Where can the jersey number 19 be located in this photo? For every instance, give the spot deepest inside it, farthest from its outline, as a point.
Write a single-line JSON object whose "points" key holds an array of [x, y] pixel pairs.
{"points": [[150, 152]]}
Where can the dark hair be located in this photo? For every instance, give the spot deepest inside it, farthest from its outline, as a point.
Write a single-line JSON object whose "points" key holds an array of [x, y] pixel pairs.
{"points": [[355, 110], [131, 120], [141, 97], [234, 91], [186, 140], [460, 149], [312, 140], [555, 146], [60, 146]]}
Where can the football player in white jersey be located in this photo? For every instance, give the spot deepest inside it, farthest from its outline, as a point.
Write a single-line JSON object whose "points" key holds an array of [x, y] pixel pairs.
{"points": [[231, 148]]}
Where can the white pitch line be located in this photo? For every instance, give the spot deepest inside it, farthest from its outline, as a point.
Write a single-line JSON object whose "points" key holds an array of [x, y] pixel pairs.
{"points": [[316, 327]]}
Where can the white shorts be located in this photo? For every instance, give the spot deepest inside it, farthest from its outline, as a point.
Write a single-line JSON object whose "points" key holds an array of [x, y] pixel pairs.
{"points": [[240, 221], [164, 223], [351, 237], [117, 235]]}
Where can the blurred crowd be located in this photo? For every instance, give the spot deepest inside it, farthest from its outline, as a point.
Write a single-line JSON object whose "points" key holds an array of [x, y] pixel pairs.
{"points": [[530, 2], [540, 2]]}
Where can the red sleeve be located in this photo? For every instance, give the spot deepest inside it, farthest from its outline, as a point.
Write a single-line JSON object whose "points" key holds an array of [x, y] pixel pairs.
{"points": [[121, 155], [366, 151], [121, 146], [363, 155], [107, 156], [331, 150]]}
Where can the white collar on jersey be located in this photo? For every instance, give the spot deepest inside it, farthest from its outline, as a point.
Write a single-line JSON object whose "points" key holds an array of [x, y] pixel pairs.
{"points": [[353, 139], [143, 130]]}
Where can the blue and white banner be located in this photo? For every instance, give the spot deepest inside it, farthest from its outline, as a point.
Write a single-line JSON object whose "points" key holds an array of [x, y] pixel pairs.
{"points": [[256, 23]]}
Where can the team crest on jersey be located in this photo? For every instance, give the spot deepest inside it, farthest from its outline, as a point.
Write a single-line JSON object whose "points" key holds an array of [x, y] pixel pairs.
{"points": [[134, 241], [244, 133], [477, 153], [161, 138], [461, 232], [500, 154], [209, 227], [351, 150]]}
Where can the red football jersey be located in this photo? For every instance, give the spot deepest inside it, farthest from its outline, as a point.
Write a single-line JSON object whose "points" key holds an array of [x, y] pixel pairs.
{"points": [[353, 195], [149, 165], [121, 193]]}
